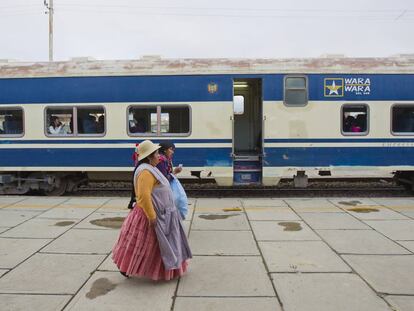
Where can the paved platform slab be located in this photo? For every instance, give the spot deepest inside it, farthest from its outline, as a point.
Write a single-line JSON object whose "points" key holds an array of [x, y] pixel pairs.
{"points": [[352, 202], [53, 262], [401, 303], [298, 256], [283, 231], [111, 291], [3, 271], [223, 243], [332, 221], [220, 221], [374, 212], [85, 202], [392, 274], [409, 214], [408, 245], [40, 228], [360, 242], [108, 265], [33, 302], [14, 251], [257, 202], [313, 205], [9, 200], [50, 274], [326, 292], [103, 220], [115, 205], [11, 218], [38, 203], [394, 229], [226, 276], [270, 213], [226, 304], [396, 203], [84, 241], [215, 205], [67, 213]]}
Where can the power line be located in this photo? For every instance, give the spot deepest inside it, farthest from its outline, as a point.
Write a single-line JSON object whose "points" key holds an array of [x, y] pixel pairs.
{"points": [[372, 17], [83, 4]]}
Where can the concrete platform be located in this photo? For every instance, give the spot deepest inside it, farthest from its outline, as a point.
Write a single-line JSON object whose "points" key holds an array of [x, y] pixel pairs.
{"points": [[249, 254]]}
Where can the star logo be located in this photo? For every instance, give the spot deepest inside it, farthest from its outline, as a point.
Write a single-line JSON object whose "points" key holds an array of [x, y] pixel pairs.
{"points": [[334, 87]]}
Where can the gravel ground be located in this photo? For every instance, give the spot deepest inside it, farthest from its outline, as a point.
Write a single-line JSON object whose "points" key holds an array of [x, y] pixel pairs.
{"points": [[382, 187]]}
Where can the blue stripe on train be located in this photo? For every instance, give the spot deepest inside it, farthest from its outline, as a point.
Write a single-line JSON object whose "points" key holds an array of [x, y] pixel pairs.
{"points": [[360, 140], [340, 156], [112, 141], [186, 88], [106, 157], [121, 157]]}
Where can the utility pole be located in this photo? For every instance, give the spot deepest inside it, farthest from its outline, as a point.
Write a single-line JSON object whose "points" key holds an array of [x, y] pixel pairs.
{"points": [[49, 6]]}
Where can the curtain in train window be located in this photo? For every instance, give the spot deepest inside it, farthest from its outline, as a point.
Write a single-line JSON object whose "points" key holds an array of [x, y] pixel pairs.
{"points": [[91, 120], [11, 121], [59, 121], [296, 91], [403, 119], [175, 120], [354, 120], [142, 120]]}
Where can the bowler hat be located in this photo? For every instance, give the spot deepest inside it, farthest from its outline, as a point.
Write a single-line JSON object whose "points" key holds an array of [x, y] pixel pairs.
{"points": [[146, 148]]}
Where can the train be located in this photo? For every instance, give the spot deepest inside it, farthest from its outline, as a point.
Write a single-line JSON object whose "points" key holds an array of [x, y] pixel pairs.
{"points": [[239, 122]]}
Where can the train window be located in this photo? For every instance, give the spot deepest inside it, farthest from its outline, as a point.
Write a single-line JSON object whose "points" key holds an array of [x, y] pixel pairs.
{"points": [[354, 120], [142, 120], [159, 120], [296, 91], [402, 119], [59, 121], [175, 120], [91, 120], [11, 122], [238, 104]]}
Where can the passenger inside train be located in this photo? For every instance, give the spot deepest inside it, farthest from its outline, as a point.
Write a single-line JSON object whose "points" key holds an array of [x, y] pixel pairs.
{"points": [[11, 122], [56, 127]]}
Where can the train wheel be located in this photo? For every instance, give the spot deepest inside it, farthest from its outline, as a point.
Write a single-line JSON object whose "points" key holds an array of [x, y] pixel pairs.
{"points": [[59, 189]]}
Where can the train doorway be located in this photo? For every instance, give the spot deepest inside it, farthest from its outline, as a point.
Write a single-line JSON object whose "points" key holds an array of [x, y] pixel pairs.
{"points": [[247, 131]]}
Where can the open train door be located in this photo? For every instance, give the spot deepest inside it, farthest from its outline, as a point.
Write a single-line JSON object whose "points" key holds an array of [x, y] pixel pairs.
{"points": [[247, 131]]}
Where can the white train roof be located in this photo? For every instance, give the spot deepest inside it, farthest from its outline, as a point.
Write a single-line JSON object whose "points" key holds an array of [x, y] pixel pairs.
{"points": [[154, 65]]}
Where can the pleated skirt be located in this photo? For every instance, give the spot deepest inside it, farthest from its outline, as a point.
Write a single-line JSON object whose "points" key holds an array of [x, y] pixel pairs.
{"points": [[137, 252]]}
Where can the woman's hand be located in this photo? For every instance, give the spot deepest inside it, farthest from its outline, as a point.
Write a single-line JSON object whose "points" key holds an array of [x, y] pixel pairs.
{"points": [[177, 170]]}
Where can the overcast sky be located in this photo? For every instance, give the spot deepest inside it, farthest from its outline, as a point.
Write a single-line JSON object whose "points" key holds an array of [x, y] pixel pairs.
{"points": [[125, 29]]}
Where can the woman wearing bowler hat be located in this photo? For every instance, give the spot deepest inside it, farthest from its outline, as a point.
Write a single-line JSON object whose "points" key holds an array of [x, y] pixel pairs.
{"points": [[152, 242]]}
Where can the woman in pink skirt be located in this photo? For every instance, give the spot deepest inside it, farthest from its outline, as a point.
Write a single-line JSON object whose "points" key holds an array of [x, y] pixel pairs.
{"points": [[152, 242]]}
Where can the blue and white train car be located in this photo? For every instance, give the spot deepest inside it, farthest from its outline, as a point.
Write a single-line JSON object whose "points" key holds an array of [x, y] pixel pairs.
{"points": [[237, 121]]}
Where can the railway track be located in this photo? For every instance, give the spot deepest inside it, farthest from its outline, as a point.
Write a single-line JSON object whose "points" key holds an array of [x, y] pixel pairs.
{"points": [[351, 190]]}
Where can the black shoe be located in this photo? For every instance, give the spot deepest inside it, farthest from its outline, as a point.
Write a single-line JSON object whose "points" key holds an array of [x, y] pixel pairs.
{"points": [[124, 274]]}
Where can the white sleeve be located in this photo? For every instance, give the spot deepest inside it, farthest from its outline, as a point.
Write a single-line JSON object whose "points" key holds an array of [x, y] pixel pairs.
{"points": [[53, 130]]}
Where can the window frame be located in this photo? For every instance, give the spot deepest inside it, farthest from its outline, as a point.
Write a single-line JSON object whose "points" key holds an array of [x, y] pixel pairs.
{"points": [[23, 121], [342, 119], [75, 121], [306, 89], [391, 117], [159, 111]]}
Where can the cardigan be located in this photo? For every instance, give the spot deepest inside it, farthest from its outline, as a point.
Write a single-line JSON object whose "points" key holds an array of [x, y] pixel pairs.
{"points": [[143, 187]]}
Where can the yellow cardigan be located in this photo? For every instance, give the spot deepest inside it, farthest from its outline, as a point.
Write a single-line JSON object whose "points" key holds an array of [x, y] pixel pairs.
{"points": [[143, 187]]}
